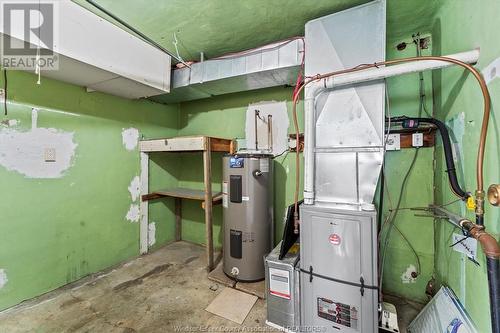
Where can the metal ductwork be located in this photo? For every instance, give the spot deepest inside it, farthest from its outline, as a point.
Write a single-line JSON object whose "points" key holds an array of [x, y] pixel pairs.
{"points": [[271, 65], [344, 128]]}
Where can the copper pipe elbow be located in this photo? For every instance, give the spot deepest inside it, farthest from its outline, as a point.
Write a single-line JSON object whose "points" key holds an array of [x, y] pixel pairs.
{"points": [[489, 244]]}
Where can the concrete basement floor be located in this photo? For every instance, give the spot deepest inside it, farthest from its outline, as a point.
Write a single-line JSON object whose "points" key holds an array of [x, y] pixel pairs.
{"points": [[153, 293], [158, 292]]}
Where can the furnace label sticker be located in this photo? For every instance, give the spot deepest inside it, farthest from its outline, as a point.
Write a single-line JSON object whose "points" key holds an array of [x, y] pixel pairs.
{"points": [[339, 313], [279, 283]]}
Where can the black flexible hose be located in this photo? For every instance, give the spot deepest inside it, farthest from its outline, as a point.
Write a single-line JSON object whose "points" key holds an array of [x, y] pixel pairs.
{"points": [[480, 219], [448, 153], [493, 268]]}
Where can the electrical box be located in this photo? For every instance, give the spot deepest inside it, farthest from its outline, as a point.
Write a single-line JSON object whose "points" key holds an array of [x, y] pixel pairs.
{"points": [[393, 142], [282, 289], [417, 140]]}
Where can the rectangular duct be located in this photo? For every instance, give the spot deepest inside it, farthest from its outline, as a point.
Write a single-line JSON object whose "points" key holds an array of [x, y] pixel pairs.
{"points": [[345, 127], [267, 66], [96, 54]]}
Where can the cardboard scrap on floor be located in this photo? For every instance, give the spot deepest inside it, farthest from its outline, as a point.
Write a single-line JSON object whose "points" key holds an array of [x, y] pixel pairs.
{"points": [[232, 304]]}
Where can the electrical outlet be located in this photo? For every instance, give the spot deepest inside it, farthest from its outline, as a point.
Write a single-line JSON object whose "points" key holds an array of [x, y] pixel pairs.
{"points": [[49, 154], [393, 142], [417, 139]]}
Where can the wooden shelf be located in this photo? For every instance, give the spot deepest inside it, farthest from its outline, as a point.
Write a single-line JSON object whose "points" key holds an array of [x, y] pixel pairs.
{"points": [[188, 144], [206, 145], [182, 193]]}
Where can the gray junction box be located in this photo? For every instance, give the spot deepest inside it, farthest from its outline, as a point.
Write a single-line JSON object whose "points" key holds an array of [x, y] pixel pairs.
{"points": [[282, 289]]}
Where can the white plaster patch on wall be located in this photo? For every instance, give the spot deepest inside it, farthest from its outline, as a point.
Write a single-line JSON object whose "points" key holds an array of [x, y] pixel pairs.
{"points": [[491, 71], [25, 151], [130, 137], [133, 214], [407, 277], [3, 278], [151, 234], [135, 188], [280, 124]]}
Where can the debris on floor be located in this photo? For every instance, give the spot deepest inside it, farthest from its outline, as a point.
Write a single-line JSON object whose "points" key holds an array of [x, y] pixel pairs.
{"points": [[444, 313], [164, 291], [232, 304]]}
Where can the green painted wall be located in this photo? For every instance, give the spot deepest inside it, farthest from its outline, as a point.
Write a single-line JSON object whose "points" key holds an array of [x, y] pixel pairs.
{"points": [[224, 116], [229, 26], [459, 26], [55, 231], [404, 100]]}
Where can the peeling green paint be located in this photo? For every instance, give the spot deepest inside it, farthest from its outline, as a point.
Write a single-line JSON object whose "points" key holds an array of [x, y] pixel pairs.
{"points": [[459, 26], [55, 231], [403, 92]]}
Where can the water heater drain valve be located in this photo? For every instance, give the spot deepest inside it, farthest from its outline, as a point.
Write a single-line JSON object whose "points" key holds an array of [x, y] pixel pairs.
{"points": [[235, 271]]}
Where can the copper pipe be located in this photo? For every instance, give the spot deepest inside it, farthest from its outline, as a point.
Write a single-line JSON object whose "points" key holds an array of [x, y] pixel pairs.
{"points": [[484, 126], [486, 112], [489, 244]]}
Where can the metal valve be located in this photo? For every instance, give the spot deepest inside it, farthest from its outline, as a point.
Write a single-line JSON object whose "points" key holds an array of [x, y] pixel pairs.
{"points": [[494, 194]]}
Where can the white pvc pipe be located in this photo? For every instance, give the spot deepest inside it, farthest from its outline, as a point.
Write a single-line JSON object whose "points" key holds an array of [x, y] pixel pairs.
{"points": [[315, 88]]}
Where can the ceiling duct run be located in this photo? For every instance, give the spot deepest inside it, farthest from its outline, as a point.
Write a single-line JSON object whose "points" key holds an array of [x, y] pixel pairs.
{"points": [[271, 65]]}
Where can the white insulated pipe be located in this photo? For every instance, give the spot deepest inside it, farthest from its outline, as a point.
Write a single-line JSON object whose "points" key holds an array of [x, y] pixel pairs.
{"points": [[315, 88]]}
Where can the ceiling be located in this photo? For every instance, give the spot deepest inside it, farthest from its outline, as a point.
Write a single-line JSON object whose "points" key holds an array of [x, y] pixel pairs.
{"points": [[216, 27]]}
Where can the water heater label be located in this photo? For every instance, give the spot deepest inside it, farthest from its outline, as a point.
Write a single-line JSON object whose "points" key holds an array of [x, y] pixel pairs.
{"points": [[334, 239], [264, 165], [236, 162], [279, 283]]}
